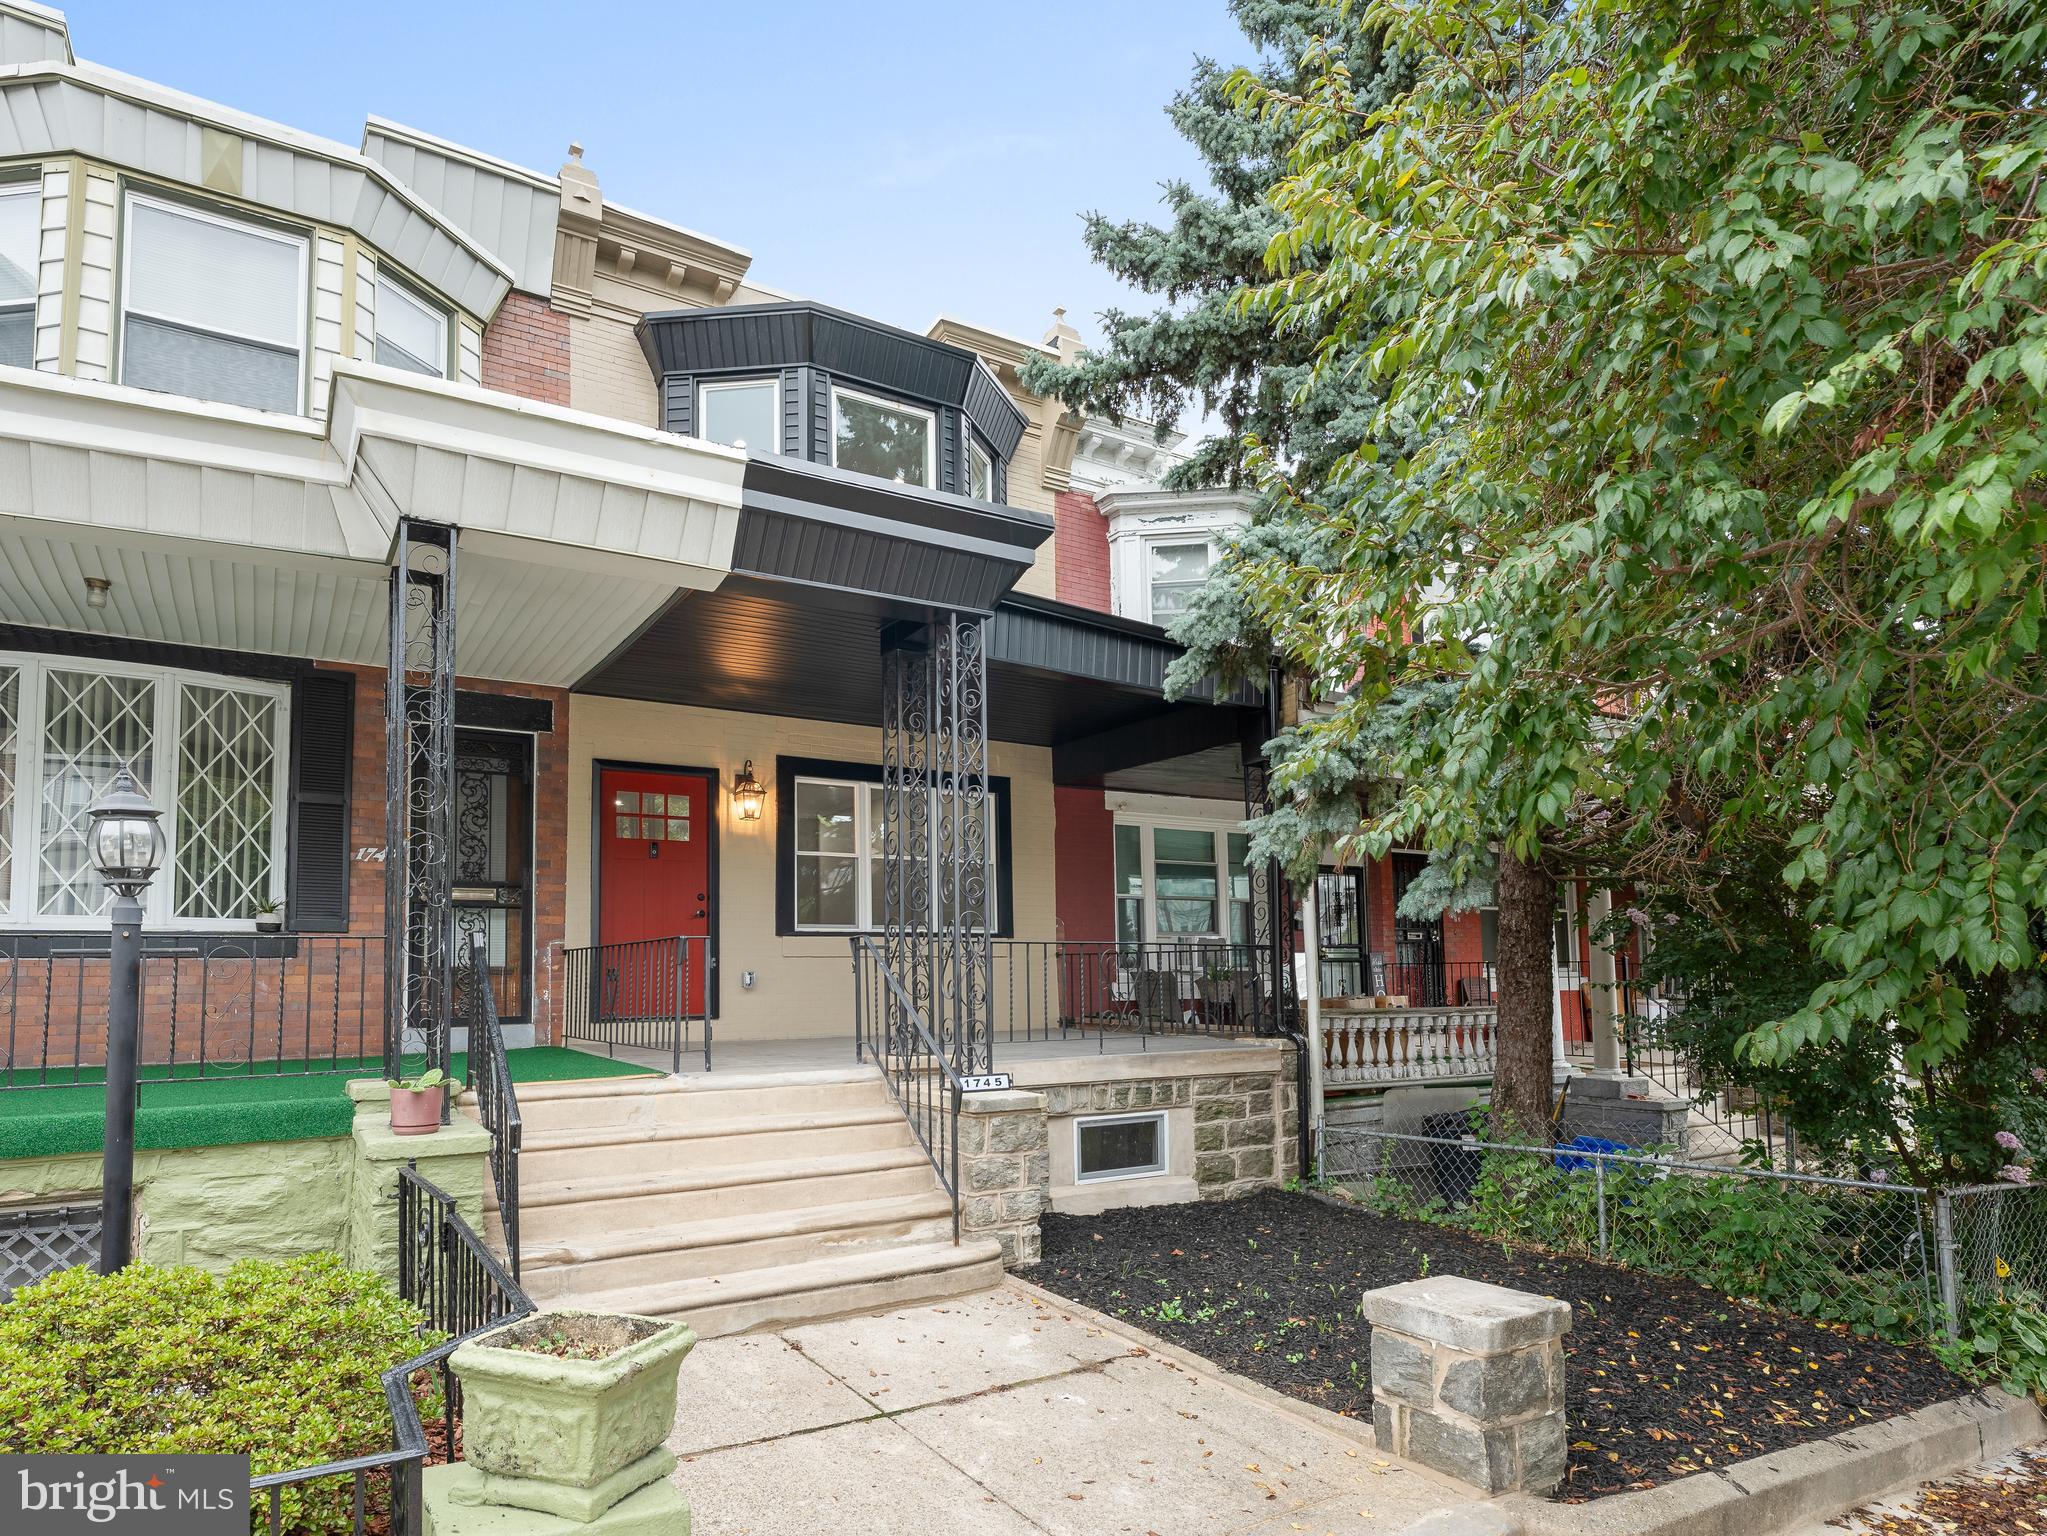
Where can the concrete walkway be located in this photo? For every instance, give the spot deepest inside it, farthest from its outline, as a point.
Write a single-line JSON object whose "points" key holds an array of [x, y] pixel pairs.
{"points": [[1000, 1414]]}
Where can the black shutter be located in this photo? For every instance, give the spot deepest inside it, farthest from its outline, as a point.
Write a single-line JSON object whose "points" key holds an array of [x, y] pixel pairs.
{"points": [[322, 751]]}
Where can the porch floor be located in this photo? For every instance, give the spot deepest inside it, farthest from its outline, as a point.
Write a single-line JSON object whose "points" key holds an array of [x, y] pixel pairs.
{"points": [[825, 1052]]}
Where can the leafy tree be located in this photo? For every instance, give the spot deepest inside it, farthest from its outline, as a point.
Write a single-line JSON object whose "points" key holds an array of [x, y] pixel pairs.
{"points": [[1722, 326]]}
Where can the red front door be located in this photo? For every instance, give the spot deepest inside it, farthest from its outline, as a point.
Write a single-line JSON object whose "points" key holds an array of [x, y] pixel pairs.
{"points": [[654, 887]]}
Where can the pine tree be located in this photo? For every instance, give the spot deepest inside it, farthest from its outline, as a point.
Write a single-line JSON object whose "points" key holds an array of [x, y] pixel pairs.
{"points": [[1196, 347]]}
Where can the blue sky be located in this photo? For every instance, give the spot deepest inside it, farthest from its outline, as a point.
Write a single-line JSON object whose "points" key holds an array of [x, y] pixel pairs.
{"points": [[897, 159]]}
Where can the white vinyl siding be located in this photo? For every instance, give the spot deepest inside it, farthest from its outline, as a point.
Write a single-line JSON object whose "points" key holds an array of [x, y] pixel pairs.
{"points": [[210, 752], [213, 308]]}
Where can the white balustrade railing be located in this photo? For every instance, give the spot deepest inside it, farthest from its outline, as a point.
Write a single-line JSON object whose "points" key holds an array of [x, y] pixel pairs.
{"points": [[1409, 1045]]}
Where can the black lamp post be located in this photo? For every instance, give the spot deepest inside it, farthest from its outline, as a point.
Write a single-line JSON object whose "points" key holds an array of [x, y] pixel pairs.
{"points": [[127, 848]]}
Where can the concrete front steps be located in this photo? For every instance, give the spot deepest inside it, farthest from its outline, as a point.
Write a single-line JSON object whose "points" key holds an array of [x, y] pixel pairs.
{"points": [[734, 1203]]}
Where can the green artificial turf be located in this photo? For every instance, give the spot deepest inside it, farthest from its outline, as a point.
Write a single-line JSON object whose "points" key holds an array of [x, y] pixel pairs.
{"points": [[226, 1106]]}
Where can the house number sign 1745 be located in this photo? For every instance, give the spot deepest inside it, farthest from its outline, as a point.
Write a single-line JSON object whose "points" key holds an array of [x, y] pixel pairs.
{"points": [[991, 1082]]}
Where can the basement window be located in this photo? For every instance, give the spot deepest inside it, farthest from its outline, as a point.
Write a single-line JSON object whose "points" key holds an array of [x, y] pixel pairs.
{"points": [[1119, 1146]]}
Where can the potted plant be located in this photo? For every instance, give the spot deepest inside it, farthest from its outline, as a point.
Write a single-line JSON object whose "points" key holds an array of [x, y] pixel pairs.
{"points": [[269, 917], [566, 1411], [416, 1103]]}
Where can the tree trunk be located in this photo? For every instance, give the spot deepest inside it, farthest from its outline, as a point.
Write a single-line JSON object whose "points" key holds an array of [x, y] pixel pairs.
{"points": [[1524, 1079]]}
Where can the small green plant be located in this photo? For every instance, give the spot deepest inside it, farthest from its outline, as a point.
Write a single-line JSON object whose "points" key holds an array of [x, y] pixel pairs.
{"points": [[2005, 1342], [432, 1078]]}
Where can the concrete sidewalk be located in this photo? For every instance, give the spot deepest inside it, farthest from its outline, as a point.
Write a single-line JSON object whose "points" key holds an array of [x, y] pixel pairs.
{"points": [[1000, 1413]]}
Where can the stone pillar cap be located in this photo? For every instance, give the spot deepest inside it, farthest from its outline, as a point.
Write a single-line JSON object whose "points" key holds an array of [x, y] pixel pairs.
{"points": [[1469, 1315]]}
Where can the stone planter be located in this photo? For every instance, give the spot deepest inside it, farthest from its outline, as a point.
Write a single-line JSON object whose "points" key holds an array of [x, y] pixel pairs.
{"points": [[569, 1436]]}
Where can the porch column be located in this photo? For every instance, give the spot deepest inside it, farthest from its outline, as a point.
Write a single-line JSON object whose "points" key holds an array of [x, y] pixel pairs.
{"points": [[419, 739], [938, 887], [1600, 994]]}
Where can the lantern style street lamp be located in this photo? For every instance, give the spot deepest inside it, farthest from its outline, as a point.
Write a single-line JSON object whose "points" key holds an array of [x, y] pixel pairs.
{"points": [[127, 848]]}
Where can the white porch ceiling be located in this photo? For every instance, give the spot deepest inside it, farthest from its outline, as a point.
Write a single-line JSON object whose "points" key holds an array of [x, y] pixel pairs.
{"points": [[225, 528]]}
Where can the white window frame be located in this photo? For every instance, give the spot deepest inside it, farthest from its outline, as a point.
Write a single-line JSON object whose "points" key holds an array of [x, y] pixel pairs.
{"points": [[412, 291], [864, 833], [1220, 830], [165, 724], [759, 381], [1155, 1170], [301, 242], [839, 392], [976, 453], [1161, 540], [32, 191]]}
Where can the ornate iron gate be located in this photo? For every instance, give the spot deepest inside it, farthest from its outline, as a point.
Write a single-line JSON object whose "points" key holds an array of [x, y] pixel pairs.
{"points": [[419, 719], [937, 886]]}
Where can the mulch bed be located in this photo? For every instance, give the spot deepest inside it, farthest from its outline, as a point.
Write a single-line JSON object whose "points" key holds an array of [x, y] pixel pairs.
{"points": [[1664, 1377]]}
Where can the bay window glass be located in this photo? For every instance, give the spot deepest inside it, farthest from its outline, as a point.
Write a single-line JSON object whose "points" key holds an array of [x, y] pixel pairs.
{"points": [[208, 751], [411, 333], [214, 308], [1184, 874], [880, 437], [21, 209], [980, 473], [746, 414], [1178, 571], [1239, 845]]}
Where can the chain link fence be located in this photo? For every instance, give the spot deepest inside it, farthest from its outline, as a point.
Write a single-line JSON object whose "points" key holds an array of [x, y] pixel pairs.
{"points": [[1837, 1250], [1995, 1244]]}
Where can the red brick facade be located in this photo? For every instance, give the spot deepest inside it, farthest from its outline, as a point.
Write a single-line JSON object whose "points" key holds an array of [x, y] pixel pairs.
{"points": [[1084, 864], [1082, 534], [526, 350]]}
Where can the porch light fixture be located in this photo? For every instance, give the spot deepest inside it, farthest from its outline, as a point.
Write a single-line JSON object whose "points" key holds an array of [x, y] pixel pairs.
{"points": [[96, 589], [125, 840], [747, 794]]}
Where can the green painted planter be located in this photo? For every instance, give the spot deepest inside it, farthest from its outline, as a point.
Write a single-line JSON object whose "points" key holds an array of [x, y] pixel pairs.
{"points": [[569, 1422]]}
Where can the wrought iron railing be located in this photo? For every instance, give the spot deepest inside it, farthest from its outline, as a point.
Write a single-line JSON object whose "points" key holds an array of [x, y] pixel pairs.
{"points": [[445, 1269], [1062, 989], [889, 1030], [1422, 983], [497, 1101], [650, 995], [213, 1005]]}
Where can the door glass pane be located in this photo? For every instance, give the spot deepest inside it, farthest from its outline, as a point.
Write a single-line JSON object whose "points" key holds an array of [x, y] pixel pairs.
{"points": [[227, 802], [1177, 573], [893, 442], [742, 415], [10, 715], [92, 725], [493, 856]]}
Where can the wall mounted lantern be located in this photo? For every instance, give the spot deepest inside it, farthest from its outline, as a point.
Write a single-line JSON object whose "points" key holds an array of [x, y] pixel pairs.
{"points": [[747, 794]]}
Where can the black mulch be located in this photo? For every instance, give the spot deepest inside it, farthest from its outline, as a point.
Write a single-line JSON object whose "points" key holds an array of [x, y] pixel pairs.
{"points": [[1664, 1377]]}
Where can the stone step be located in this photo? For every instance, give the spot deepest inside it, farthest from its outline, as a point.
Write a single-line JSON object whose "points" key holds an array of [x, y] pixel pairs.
{"points": [[592, 1102], [734, 1244], [586, 1207], [592, 1151], [836, 1286]]}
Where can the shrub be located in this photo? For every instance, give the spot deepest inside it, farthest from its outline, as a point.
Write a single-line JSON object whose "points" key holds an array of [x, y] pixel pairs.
{"points": [[277, 1359]]}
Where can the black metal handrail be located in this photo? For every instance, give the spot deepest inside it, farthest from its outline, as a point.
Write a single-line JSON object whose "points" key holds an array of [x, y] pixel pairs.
{"points": [[213, 1005], [649, 994], [497, 1101], [924, 1082], [445, 1269]]}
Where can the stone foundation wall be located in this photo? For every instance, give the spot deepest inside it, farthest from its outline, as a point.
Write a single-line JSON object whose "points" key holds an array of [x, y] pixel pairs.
{"points": [[1246, 1135], [1005, 1171]]}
